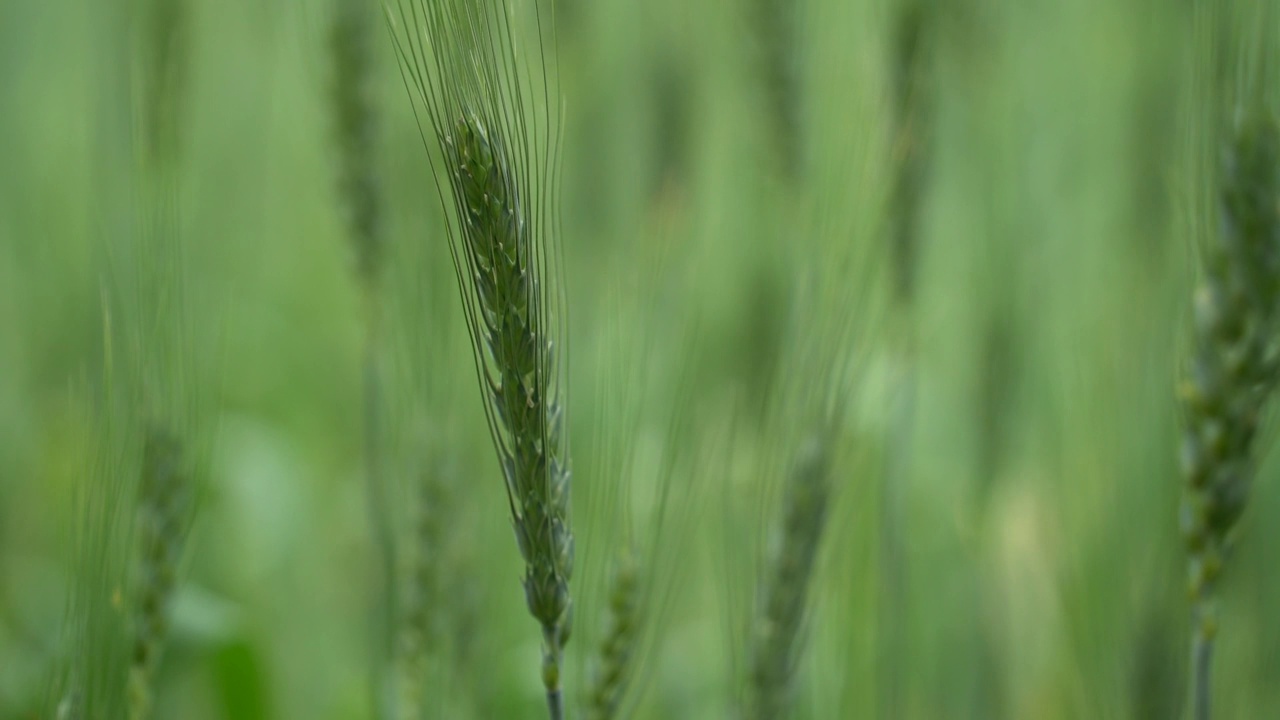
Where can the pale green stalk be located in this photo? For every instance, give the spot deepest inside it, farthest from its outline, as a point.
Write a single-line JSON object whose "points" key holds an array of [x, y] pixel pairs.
{"points": [[911, 39]]}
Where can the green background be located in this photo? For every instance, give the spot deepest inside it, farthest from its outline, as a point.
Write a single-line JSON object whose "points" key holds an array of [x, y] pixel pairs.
{"points": [[1041, 572]]}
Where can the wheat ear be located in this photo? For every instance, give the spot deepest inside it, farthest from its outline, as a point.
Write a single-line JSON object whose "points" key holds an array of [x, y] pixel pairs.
{"points": [[528, 427], [355, 118], [1231, 374], [162, 506], [499, 139], [911, 116], [351, 44], [164, 500], [612, 671], [420, 626], [779, 623], [777, 31]]}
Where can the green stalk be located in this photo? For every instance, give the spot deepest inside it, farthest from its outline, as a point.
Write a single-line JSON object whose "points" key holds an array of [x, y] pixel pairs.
{"points": [[911, 36]]}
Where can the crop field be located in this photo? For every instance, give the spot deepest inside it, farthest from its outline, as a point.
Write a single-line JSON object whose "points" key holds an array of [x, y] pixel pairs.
{"points": [[744, 359]]}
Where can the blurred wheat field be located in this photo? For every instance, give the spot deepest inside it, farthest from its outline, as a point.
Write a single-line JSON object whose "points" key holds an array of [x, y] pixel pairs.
{"points": [[1001, 535]]}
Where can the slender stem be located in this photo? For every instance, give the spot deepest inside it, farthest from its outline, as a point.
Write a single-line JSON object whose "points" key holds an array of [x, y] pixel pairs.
{"points": [[551, 676], [893, 570], [555, 704], [375, 484], [911, 117], [1201, 660]]}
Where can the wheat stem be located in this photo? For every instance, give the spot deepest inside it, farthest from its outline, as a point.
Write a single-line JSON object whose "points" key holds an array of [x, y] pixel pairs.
{"points": [[1201, 656], [911, 34]]}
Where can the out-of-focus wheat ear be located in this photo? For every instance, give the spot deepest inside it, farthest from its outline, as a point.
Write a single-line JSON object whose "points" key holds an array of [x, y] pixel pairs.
{"points": [[613, 667], [352, 98], [912, 41], [162, 508], [778, 628], [355, 125], [165, 65], [777, 26], [1232, 372], [422, 611]]}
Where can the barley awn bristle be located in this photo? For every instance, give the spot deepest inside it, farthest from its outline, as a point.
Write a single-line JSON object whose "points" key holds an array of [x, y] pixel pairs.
{"points": [[779, 624], [1232, 372], [499, 168]]}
